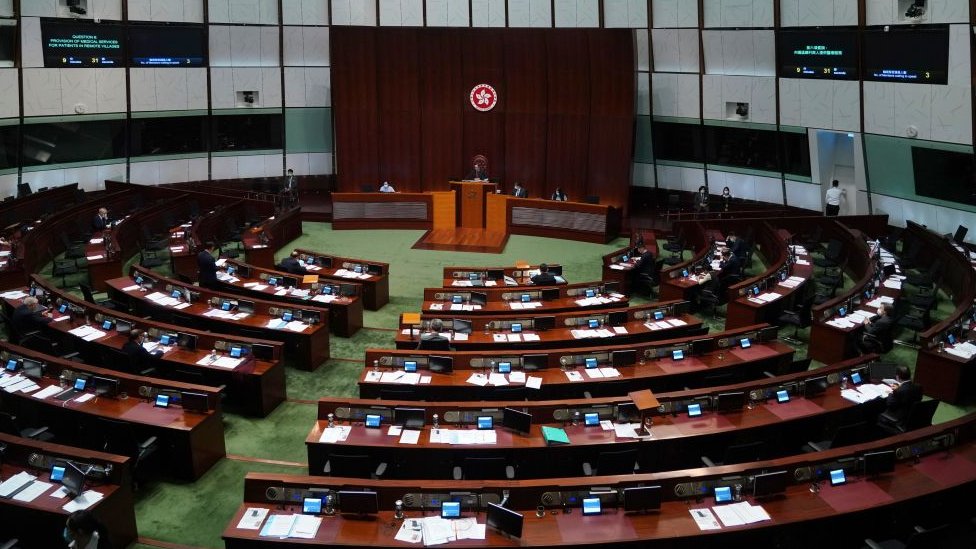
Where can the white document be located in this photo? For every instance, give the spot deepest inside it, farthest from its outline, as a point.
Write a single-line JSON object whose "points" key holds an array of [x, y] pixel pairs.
{"points": [[497, 380], [409, 378], [469, 530], [705, 519], [594, 373], [50, 390], [335, 434], [517, 377], [625, 430], [373, 376], [15, 483], [610, 372], [619, 330], [514, 337], [84, 501], [394, 431], [227, 362], [391, 377], [409, 532], [478, 379], [499, 338], [410, 436], [279, 526], [531, 337], [573, 375], [306, 526], [533, 382], [460, 337], [85, 397], [253, 518], [33, 491], [728, 515]]}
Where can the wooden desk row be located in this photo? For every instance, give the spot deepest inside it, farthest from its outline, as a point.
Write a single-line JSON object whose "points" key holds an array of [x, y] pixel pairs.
{"points": [[40, 523], [504, 277], [376, 287], [307, 346], [191, 441], [256, 386]]}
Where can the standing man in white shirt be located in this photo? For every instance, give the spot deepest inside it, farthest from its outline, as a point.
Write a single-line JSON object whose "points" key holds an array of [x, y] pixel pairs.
{"points": [[834, 195]]}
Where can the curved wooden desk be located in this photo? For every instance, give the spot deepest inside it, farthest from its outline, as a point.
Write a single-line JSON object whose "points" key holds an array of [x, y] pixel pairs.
{"points": [[376, 286]]}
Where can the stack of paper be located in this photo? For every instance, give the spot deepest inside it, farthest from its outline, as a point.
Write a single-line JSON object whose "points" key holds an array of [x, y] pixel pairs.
{"points": [[84, 501], [738, 514], [962, 350], [331, 435]]}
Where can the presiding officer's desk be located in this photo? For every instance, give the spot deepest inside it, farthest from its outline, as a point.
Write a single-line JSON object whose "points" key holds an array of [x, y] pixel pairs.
{"points": [[307, 346], [455, 276], [569, 329], [712, 359], [943, 374], [677, 441], [256, 386], [375, 276], [382, 211], [545, 299], [40, 523], [932, 487], [344, 300], [191, 441]]}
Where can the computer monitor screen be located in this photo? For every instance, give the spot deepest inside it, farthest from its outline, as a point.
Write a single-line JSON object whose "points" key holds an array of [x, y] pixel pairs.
{"points": [[326, 290], [373, 420], [484, 422], [723, 494], [856, 378], [730, 402], [324, 261], [769, 484], [176, 294], [495, 274], [245, 306], [457, 299], [57, 473], [105, 386], [73, 479], [684, 273], [677, 354], [694, 410], [450, 509], [244, 271], [479, 298], [162, 401], [262, 352], [374, 269], [358, 269], [745, 343], [755, 290], [63, 308], [815, 386], [549, 294], [504, 367], [591, 418], [591, 506], [516, 327], [590, 362], [526, 298], [951, 339], [642, 498], [590, 292], [531, 363], [123, 327], [167, 339], [842, 311], [194, 402], [461, 326], [310, 260], [187, 341], [882, 370], [358, 502], [409, 365], [623, 358], [504, 520], [617, 318], [225, 305], [593, 323], [440, 364], [32, 368], [80, 383], [876, 463], [411, 418], [312, 506], [782, 396], [516, 420], [837, 477]]}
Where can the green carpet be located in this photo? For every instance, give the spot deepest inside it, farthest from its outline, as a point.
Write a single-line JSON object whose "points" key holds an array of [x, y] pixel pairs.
{"points": [[196, 514]]}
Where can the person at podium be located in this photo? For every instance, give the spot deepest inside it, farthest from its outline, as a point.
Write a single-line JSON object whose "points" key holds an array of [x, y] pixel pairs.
{"points": [[519, 191], [478, 172], [559, 195], [387, 188]]}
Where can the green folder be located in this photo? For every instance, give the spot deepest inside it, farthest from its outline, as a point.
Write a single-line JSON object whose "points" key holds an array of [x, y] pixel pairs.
{"points": [[554, 435]]}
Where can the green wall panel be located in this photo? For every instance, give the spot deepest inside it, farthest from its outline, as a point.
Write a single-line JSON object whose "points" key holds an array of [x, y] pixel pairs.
{"points": [[308, 130], [643, 148]]}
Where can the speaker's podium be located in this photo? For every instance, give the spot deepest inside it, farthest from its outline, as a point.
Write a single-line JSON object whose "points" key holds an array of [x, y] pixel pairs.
{"points": [[470, 202]]}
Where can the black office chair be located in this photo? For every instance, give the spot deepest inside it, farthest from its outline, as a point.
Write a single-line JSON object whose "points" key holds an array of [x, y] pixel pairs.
{"points": [[738, 453], [9, 425], [909, 257], [63, 268], [921, 538], [832, 255], [484, 468], [823, 292], [833, 276], [353, 466], [919, 416], [72, 250], [811, 241], [434, 345], [711, 295], [926, 277], [845, 435], [86, 290], [622, 462], [119, 437], [153, 242], [149, 258], [916, 320], [798, 317]]}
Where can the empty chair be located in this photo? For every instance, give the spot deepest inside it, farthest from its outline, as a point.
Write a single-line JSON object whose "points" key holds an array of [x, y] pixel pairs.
{"points": [[434, 345], [484, 468], [9, 425], [823, 292], [927, 277], [919, 415], [924, 297], [831, 256], [86, 290], [72, 250], [738, 453], [916, 320], [623, 462], [711, 295], [909, 256], [845, 435], [832, 275], [149, 258], [812, 240], [798, 317], [921, 538], [63, 268], [119, 437], [151, 242], [353, 466]]}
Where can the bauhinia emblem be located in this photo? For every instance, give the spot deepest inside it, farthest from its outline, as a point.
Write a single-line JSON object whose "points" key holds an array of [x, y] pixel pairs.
{"points": [[483, 97]]}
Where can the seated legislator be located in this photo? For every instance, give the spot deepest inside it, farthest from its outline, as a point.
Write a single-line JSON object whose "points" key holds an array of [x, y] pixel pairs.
{"points": [[433, 340], [139, 357], [544, 278], [292, 264], [738, 246], [906, 392], [645, 269], [559, 195], [519, 191], [207, 266], [387, 188], [478, 172], [877, 336], [29, 316], [100, 222]]}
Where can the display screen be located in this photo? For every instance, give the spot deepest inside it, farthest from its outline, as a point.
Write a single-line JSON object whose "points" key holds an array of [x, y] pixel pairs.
{"points": [[450, 509], [77, 44], [723, 494], [694, 410], [591, 506], [915, 55], [505, 367], [11, 365], [944, 175], [677, 354], [856, 378], [526, 298], [312, 506], [658, 315], [162, 401], [817, 53], [57, 473], [590, 293], [410, 366], [591, 418], [80, 384], [516, 327], [372, 420], [484, 422], [167, 46], [745, 343], [590, 362], [837, 477], [782, 396]]}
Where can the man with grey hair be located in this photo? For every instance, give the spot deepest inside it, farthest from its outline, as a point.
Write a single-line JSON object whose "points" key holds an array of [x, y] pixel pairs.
{"points": [[433, 340], [29, 316]]}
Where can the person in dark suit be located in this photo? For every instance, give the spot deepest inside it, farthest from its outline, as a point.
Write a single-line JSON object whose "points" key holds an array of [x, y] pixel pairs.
{"points": [[736, 245], [544, 278], [100, 222], [731, 265], [207, 266], [559, 195], [139, 357], [645, 267], [906, 393], [877, 336], [292, 264], [29, 316], [519, 191], [433, 340], [701, 200], [478, 172]]}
